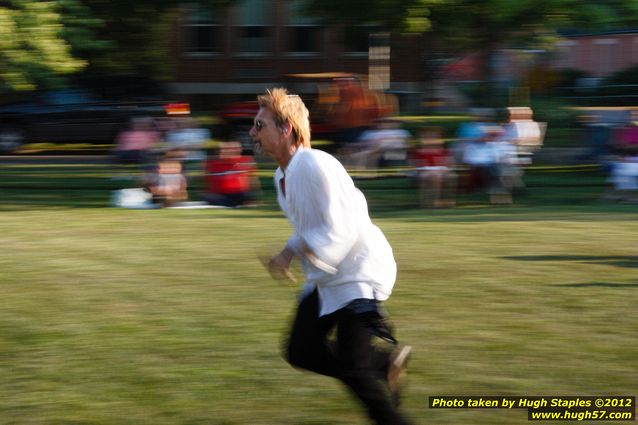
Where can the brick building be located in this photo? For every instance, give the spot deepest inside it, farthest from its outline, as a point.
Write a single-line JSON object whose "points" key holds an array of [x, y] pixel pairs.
{"points": [[236, 52], [233, 53], [598, 54]]}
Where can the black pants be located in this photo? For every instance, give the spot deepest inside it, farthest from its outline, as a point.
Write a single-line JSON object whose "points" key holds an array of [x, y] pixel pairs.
{"points": [[352, 358]]}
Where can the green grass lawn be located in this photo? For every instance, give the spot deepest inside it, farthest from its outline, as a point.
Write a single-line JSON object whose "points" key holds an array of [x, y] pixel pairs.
{"points": [[114, 316]]}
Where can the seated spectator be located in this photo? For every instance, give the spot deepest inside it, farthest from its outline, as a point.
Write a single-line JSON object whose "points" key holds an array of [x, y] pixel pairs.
{"points": [[624, 166], [135, 144], [597, 137], [471, 131], [384, 144], [231, 177], [507, 171], [521, 129], [188, 137], [493, 164], [523, 132], [168, 184], [624, 176], [480, 156], [433, 165], [626, 137]]}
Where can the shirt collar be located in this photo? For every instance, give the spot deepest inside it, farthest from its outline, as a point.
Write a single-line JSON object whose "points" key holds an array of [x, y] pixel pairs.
{"points": [[292, 164]]}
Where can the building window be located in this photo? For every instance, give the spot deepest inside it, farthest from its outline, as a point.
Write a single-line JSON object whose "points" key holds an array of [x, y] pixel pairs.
{"points": [[304, 39], [303, 34], [254, 18], [202, 32], [253, 39], [357, 39]]}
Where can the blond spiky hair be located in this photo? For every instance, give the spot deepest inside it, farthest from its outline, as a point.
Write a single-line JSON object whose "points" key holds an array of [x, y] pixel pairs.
{"points": [[288, 108]]}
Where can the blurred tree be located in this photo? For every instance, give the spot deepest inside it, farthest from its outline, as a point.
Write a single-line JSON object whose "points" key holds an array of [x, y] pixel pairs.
{"points": [[484, 26], [33, 51], [43, 43], [137, 37], [379, 15], [610, 14], [389, 15], [480, 26], [82, 28], [136, 40]]}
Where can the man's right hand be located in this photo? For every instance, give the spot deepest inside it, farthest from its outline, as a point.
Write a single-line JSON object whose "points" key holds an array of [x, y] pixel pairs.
{"points": [[279, 266]]}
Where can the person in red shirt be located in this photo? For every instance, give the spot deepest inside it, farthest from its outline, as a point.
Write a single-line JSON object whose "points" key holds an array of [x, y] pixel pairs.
{"points": [[230, 179], [433, 166]]}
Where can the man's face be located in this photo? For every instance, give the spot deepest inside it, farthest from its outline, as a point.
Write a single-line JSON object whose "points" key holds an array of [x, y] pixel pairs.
{"points": [[264, 132]]}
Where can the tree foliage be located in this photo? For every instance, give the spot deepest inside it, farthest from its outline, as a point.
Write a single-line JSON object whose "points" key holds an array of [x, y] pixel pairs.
{"points": [[43, 43], [33, 51], [485, 24], [137, 36], [603, 15], [387, 14], [466, 24], [480, 26]]}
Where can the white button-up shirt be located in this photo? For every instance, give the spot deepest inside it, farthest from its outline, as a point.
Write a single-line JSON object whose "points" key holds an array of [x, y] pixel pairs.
{"points": [[351, 256]]}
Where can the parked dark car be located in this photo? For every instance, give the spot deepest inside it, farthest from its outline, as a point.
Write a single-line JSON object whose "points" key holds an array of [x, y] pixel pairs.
{"points": [[74, 116]]}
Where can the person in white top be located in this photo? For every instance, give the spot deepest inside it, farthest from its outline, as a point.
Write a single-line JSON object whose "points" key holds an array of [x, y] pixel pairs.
{"points": [[386, 143], [348, 262]]}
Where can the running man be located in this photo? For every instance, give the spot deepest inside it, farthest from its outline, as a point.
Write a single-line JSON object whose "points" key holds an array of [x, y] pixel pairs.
{"points": [[348, 262]]}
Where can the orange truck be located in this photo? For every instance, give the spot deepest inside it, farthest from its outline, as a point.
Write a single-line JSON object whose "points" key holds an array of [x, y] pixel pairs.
{"points": [[341, 107]]}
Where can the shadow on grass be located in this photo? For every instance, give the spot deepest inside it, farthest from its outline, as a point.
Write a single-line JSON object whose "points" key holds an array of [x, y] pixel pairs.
{"points": [[599, 285], [627, 261]]}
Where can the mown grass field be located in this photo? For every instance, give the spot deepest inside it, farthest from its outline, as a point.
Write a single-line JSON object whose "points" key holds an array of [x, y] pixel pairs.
{"points": [[113, 316]]}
